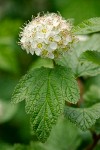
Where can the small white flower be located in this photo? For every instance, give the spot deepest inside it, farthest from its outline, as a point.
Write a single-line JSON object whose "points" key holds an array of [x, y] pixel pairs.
{"points": [[53, 45], [47, 36]]}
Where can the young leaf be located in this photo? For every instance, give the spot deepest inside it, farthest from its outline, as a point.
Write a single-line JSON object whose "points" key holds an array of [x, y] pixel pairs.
{"points": [[88, 26], [92, 56], [45, 91], [84, 118]]}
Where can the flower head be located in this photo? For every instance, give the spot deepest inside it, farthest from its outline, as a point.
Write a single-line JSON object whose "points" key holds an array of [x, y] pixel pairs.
{"points": [[47, 36]]}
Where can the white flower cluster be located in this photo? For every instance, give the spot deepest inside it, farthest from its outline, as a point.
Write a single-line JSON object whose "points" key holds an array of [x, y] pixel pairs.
{"points": [[47, 36]]}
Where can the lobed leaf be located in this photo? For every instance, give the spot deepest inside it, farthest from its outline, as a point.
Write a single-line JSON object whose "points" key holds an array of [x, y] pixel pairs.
{"points": [[45, 91], [84, 118], [88, 26]]}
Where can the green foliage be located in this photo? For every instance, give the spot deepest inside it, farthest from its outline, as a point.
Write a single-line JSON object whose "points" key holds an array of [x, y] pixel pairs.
{"points": [[92, 95], [92, 81], [45, 91], [73, 58], [92, 56], [42, 62], [59, 134], [84, 118], [64, 136], [96, 127], [88, 26]]}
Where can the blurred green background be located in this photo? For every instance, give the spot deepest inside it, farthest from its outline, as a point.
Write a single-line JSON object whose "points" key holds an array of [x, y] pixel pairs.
{"points": [[14, 62]]}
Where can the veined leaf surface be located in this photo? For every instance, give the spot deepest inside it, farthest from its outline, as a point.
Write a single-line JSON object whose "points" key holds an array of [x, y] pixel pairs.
{"points": [[45, 91]]}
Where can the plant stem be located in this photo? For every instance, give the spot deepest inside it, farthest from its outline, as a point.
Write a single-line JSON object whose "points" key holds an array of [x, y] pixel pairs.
{"points": [[96, 138], [81, 87]]}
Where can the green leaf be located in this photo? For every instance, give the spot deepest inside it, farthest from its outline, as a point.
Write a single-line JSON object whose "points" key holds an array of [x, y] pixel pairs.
{"points": [[42, 62], [87, 68], [88, 26], [45, 91], [96, 127], [84, 118], [72, 58], [95, 81], [92, 56], [92, 95], [62, 133]]}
